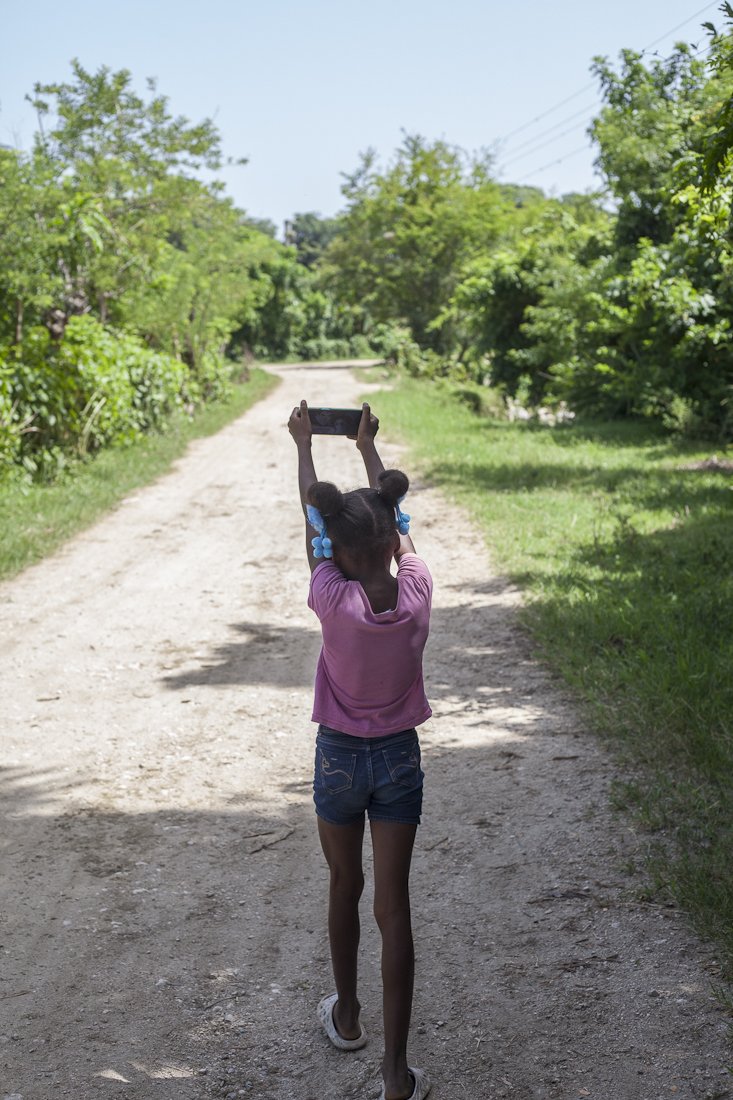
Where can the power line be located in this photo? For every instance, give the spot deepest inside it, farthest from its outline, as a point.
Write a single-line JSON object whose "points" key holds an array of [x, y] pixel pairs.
{"points": [[549, 111], [532, 140], [580, 148], [557, 137], [536, 149], [683, 24], [552, 163], [592, 84]]}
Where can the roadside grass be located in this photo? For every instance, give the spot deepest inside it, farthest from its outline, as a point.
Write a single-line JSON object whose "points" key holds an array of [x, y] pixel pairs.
{"points": [[626, 561], [36, 520]]}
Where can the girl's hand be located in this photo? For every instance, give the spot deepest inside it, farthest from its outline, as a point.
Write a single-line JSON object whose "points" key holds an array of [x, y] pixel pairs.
{"points": [[368, 427], [299, 424]]}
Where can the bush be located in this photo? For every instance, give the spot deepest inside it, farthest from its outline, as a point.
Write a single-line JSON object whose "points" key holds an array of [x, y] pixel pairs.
{"points": [[211, 381], [481, 400], [95, 388], [11, 426], [325, 348]]}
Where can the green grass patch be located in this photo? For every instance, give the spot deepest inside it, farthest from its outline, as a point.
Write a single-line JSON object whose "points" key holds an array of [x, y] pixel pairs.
{"points": [[34, 521], [627, 563]]}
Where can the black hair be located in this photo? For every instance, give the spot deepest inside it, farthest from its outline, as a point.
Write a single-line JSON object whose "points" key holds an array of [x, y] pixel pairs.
{"points": [[363, 521]]}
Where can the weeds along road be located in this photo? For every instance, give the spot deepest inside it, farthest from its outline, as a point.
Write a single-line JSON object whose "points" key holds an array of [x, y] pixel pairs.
{"points": [[164, 899]]}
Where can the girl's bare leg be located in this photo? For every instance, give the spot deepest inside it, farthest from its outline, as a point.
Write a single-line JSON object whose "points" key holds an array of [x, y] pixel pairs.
{"points": [[393, 845], [342, 848]]}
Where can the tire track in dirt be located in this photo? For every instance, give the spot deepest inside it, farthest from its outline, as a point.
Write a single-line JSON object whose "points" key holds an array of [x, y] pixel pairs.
{"points": [[163, 915]]}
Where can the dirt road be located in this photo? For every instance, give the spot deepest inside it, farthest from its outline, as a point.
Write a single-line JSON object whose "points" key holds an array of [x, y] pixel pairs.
{"points": [[163, 913]]}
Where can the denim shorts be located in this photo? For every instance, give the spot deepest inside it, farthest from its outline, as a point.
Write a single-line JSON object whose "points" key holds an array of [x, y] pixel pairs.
{"points": [[381, 775]]}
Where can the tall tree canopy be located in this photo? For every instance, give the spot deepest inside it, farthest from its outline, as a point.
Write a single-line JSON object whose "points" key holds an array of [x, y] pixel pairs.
{"points": [[408, 231]]}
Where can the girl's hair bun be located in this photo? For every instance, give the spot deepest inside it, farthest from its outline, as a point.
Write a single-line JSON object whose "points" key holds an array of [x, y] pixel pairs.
{"points": [[325, 497], [393, 484]]}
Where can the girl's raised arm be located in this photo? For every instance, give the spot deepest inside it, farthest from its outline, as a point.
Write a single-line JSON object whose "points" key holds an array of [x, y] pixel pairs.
{"points": [[368, 428], [299, 427]]}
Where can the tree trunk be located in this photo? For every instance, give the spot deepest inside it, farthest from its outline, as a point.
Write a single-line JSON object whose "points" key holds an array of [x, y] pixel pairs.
{"points": [[18, 321], [56, 321]]}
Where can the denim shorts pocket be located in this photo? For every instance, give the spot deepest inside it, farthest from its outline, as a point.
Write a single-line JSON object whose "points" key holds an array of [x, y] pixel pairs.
{"points": [[403, 763], [336, 768]]}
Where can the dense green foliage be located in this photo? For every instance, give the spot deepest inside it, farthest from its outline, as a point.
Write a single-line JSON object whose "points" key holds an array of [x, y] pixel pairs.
{"points": [[88, 389], [719, 141], [408, 232], [129, 289], [636, 319], [622, 538], [122, 277], [618, 304], [297, 319], [311, 234]]}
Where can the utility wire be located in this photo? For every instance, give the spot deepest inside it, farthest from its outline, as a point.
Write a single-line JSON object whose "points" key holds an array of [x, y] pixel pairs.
{"points": [[580, 148], [536, 149], [532, 140], [552, 163], [592, 84], [679, 25], [549, 111]]}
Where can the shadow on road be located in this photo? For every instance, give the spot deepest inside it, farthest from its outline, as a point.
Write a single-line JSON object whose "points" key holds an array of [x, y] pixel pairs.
{"points": [[461, 663], [283, 656]]}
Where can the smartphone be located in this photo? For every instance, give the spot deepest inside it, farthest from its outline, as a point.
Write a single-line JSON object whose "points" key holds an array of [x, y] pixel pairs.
{"points": [[335, 421]]}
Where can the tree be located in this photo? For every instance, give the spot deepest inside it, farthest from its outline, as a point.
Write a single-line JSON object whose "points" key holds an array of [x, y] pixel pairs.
{"points": [[123, 169], [408, 232], [311, 234], [122, 276], [719, 141], [28, 281], [500, 291], [628, 313], [262, 225], [654, 125], [107, 217], [206, 279]]}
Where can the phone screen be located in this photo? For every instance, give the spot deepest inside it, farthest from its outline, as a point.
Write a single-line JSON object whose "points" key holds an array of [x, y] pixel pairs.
{"points": [[335, 421]]}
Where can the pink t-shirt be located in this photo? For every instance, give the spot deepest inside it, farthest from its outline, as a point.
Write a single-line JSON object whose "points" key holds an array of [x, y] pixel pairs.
{"points": [[369, 676]]}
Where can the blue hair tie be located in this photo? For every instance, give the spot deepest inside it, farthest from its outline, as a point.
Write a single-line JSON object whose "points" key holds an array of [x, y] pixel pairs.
{"points": [[403, 520], [322, 545]]}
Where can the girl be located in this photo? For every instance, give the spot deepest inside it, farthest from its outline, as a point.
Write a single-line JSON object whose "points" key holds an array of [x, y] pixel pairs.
{"points": [[369, 697]]}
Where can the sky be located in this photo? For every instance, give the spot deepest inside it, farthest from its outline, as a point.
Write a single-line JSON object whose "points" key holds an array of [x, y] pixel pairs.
{"points": [[300, 89]]}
